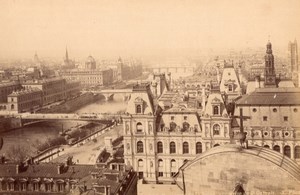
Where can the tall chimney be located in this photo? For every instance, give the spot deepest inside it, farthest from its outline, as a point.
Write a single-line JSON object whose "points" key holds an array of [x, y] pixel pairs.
{"points": [[17, 169], [240, 72], [170, 80], [154, 88], [218, 73], [203, 97], [257, 81]]}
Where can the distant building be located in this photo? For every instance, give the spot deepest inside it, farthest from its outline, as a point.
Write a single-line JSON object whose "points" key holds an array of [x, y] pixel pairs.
{"points": [[68, 63], [293, 56], [89, 78], [54, 89], [90, 63], [7, 88], [230, 82], [270, 79]]}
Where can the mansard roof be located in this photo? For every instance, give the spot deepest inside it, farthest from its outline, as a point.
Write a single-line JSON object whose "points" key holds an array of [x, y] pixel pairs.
{"points": [[271, 96], [46, 170]]}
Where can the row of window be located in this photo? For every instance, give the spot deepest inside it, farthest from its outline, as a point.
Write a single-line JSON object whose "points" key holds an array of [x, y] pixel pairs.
{"points": [[285, 118], [160, 149], [287, 150], [274, 110], [12, 186]]}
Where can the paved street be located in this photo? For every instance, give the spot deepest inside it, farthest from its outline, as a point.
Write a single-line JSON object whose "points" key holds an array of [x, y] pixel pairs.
{"points": [[87, 153]]}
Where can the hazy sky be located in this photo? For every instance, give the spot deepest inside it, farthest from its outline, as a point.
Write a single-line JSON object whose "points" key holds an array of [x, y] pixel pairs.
{"points": [[142, 27]]}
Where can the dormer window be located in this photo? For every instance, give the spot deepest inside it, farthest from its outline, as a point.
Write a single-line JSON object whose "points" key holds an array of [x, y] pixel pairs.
{"points": [[138, 109], [216, 110], [216, 106], [230, 88], [138, 105]]}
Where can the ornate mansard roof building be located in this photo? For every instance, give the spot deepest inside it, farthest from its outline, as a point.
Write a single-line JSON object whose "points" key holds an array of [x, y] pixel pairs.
{"points": [[161, 134]]}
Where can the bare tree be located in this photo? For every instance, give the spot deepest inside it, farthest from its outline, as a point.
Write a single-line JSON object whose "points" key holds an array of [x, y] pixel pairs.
{"points": [[17, 153]]}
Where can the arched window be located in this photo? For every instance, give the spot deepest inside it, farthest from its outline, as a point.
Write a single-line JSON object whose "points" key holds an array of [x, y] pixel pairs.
{"points": [[297, 152], [12, 107], [160, 163], [185, 148], [185, 126], [216, 145], [159, 147], [173, 163], [172, 126], [216, 110], [138, 109], [172, 148], [139, 147], [287, 151], [139, 127], [140, 163], [276, 148], [266, 146], [198, 147], [216, 129]]}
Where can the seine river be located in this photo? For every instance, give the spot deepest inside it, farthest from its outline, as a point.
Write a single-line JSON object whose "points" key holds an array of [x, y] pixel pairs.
{"points": [[27, 137]]}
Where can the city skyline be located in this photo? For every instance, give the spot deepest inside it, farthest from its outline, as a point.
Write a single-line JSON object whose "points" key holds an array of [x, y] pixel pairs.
{"points": [[142, 28]]}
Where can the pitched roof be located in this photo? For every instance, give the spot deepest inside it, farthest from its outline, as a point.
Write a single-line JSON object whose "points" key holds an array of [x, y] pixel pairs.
{"points": [[272, 96], [46, 170]]}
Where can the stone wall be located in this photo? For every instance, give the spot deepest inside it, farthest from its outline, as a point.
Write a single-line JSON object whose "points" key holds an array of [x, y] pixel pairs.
{"points": [[220, 172]]}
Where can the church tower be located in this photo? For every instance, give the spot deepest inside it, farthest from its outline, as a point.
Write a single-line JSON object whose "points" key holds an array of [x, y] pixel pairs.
{"points": [[66, 57], [270, 76]]}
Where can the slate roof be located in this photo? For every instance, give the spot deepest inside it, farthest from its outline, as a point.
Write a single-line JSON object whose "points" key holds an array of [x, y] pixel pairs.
{"points": [[46, 170], [272, 96]]}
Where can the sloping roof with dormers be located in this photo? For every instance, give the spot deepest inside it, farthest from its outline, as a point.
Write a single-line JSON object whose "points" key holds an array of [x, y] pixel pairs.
{"points": [[271, 96]]}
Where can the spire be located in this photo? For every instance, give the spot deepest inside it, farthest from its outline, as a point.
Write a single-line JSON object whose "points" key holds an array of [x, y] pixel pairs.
{"points": [[67, 55]]}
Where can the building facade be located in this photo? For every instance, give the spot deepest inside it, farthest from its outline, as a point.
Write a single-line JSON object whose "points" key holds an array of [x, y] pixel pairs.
{"points": [[89, 78], [158, 141], [54, 89], [271, 119], [26, 100]]}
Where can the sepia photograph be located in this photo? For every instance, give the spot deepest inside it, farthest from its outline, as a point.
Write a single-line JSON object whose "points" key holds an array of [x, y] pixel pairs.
{"points": [[141, 97]]}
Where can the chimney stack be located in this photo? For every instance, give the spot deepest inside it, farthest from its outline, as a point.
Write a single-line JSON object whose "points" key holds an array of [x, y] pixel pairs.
{"points": [[60, 169], [218, 73], [203, 97], [17, 169], [257, 82]]}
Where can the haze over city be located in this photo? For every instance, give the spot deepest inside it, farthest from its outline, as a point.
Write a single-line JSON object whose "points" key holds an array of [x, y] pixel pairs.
{"points": [[143, 28]]}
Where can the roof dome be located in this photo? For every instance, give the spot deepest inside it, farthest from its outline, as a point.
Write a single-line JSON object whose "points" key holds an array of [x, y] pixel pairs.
{"points": [[90, 59]]}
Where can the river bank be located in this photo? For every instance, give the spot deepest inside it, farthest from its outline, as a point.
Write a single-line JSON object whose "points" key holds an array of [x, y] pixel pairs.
{"points": [[72, 104]]}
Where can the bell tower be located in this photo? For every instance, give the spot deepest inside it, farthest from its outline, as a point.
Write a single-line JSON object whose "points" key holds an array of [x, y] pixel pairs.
{"points": [[270, 76]]}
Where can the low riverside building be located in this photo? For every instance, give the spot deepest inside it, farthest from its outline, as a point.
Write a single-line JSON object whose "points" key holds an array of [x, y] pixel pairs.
{"points": [[54, 89], [24, 100], [89, 77]]}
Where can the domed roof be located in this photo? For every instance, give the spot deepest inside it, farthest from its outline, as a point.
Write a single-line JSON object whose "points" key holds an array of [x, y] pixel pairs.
{"points": [[270, 155], [90, 59]]}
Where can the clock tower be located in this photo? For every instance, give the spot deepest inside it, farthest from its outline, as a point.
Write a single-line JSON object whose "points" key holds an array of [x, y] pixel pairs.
{"points": [[270, 76]]}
